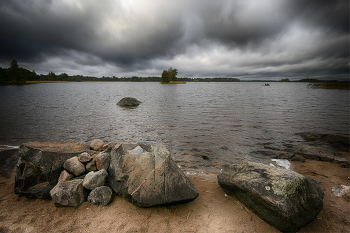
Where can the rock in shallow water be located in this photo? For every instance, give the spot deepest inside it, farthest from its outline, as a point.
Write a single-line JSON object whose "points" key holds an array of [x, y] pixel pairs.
{"points": [[129, 102], [282, 198]]}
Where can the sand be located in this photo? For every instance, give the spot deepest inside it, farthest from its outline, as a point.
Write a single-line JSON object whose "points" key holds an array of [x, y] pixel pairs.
{"points": [[212, 211]]}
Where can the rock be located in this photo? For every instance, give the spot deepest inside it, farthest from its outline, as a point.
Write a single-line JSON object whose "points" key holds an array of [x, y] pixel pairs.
{"points": [[280, 197], [339, 141], [100, 196], [91, 166], [136, 151], [68, 193], [102, 161], [341, 191], [65, 175], [149, 179], [298, 157], [41, 162], [41, 191], [8, 160], [84, 157], [128, 102], [96, 144], [95, 179], [316, 152], [74, 166]]}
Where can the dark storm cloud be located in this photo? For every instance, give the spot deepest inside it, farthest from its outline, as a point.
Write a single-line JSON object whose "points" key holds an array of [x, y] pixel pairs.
{"points": [[271, 38]]}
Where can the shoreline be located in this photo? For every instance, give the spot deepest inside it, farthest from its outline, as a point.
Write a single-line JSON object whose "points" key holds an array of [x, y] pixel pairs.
{"points": [[212, 211]]}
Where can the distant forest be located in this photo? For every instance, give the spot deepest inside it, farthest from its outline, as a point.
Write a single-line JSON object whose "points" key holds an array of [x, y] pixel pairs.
{"points": [[18, 75]]}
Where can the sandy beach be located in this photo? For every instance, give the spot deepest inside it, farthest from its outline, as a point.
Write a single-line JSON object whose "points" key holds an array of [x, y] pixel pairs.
{"points": [[212, 211]]}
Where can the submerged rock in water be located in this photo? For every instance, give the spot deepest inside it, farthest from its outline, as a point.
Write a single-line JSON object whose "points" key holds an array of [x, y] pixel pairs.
{"points": [[282, 198], [128, 102], [148, 179], [41, 162]]}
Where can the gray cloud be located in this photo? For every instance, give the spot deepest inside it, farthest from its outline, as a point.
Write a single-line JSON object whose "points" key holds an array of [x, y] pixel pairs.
{"points": [[247, 39]]}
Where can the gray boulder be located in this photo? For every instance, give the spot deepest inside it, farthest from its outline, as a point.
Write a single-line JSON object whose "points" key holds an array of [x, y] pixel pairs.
{"points": [[74, 166], [102, 161], [128, 102], [40, 165], [149, 179], [100, 196], [68, 193], [95, 179], [282, 198]]}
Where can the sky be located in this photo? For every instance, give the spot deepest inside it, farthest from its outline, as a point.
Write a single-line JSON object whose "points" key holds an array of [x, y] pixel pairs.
{"points": [[245, 39]]}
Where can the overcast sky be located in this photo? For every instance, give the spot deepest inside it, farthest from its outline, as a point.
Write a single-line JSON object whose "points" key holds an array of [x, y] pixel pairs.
{"points": [[247, 39]]}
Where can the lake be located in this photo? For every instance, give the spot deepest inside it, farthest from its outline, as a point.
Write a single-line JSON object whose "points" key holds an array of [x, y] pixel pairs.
{"points": [[223, 122]]}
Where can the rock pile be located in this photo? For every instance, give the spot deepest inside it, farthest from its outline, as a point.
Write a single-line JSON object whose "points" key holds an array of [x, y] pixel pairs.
{"points": [[143, 174]]}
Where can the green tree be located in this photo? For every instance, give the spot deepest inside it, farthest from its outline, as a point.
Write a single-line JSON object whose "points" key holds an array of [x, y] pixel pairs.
{"points": [[169, 75], [165, 77], [51, 76], [63, 77]]}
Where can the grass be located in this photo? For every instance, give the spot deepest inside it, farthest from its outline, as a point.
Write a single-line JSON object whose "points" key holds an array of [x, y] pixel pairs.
{"points": [[331, 85], [175, 82]]}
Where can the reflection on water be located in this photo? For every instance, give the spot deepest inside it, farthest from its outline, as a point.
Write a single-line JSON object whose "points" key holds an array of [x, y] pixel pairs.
{"points": [[203, 124]]}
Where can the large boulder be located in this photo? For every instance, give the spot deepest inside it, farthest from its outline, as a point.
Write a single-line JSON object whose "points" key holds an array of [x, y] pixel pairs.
{"points": [[128, 102], [148, 179], [40, 165], [68, 193], [280, 197]]}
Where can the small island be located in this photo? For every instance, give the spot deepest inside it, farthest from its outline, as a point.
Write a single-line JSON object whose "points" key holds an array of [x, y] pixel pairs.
{"points": [[169, 77]]}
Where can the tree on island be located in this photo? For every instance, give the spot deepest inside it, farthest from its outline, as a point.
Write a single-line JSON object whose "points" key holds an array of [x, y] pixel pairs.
{"points": [[169, 75]]}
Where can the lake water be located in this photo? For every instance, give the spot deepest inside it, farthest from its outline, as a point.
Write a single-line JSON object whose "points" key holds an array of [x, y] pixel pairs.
{"points": [[223, 121]]}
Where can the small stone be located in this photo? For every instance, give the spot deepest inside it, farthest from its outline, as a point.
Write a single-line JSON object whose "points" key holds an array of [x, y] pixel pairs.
{"points": [[84, 157], [298, 157], [102, 161], [91, 166], [341, 191], [95, 179], [65, 175], [100, 196], [74, 166], [97, 144]]}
